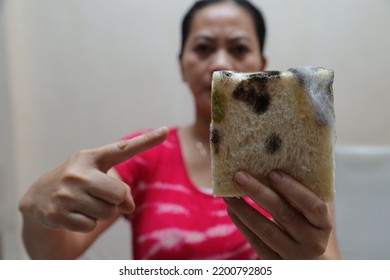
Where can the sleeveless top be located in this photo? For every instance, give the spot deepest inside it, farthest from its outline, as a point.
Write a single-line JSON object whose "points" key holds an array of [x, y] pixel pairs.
{"points": [[174, 219]]}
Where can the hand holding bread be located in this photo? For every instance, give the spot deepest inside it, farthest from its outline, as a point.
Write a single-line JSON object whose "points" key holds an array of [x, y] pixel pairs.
{"points": [[300, 227]]}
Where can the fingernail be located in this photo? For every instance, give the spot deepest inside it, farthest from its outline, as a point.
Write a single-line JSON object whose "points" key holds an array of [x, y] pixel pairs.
{"points": [[241, 178], [276, 176]]}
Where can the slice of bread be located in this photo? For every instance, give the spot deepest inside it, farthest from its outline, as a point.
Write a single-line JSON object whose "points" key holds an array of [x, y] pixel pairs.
{"points": [[273, 121]]}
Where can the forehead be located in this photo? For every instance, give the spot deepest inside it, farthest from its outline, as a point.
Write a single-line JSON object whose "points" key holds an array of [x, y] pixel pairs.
{"points": [[223, 19]]}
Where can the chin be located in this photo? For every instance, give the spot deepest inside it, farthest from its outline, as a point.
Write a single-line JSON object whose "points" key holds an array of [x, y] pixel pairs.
{"points": [[204, 110]]}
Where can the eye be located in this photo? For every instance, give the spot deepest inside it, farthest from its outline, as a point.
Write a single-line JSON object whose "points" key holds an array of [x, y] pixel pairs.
{"points": [[203, 49], [239, 50]]}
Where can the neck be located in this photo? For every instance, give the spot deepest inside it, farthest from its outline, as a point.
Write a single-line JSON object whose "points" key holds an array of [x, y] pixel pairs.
{"points": [[200, 131]]}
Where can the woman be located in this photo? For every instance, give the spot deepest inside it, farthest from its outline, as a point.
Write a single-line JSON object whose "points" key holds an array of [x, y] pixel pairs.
{"points": [[170, 207]]}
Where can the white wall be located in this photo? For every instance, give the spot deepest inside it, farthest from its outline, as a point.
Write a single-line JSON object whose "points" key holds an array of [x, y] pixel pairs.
{"points": [[82, 73], [349, 36], [10, 245]]}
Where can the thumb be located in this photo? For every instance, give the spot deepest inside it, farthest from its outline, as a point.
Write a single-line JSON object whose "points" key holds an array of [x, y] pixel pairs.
{"points": [[107, 156]]}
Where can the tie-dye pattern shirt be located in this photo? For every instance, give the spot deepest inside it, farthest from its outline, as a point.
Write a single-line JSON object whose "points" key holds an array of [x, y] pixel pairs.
{"points": [[174, 219]]}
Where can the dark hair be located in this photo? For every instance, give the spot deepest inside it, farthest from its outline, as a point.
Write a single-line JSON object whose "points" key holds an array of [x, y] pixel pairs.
{"points": [[256, 14]]}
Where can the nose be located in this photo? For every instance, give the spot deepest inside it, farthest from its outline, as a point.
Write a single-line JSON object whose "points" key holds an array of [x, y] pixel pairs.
{"points": [[221, 61]]}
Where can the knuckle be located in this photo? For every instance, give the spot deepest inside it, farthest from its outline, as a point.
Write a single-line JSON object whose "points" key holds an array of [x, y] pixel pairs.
{"points": [[72, 176], [145, 138], [328, 227], [120, 194], [317, 249], [63, 196], [258, 245], [318, 207], [121, 144], [314, 247], [59, 197], [75, 177], [81, 158], [267, 233], [79, 155], [286, 213], [53, 217]]}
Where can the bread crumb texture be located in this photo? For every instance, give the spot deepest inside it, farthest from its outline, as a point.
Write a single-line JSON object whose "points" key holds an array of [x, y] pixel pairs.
{"points": [[270, 120]]}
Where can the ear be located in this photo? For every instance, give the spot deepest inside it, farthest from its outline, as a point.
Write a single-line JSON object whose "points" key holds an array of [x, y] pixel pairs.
{"points": [[264, 63], [183, 76]]}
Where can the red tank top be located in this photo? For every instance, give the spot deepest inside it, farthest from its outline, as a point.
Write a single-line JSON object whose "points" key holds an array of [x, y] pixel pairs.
{"points": [[174, 219]]}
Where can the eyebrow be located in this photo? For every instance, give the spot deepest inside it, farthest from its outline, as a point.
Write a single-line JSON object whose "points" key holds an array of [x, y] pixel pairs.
{"points": [[232, 39]]}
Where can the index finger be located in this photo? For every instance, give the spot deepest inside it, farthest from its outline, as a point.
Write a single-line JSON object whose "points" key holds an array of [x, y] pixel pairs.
{"points": [[107, 156]]}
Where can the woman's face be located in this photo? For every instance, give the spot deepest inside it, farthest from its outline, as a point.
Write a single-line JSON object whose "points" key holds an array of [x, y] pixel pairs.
{"points": [[222, 37]]}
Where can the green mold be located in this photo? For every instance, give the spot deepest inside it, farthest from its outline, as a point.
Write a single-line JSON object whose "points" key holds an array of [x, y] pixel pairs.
{"points": [[219, 104]]}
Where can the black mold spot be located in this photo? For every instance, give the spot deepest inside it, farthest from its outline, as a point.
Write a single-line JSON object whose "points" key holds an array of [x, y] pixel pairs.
{"points": [[262, 103], [226, 74], [273, 143], [253, 91], [216, 138], [269, 74]]}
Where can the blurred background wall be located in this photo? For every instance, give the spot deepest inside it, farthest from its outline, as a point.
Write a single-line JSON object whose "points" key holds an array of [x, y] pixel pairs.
{"points": [[81, 73]]}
